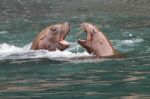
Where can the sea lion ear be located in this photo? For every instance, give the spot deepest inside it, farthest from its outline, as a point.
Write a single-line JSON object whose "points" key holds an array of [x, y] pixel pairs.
{"points": [[42, 37]]}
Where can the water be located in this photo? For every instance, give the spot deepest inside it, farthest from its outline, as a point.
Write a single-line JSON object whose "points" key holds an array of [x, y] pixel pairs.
{"points": [[41, 74]]}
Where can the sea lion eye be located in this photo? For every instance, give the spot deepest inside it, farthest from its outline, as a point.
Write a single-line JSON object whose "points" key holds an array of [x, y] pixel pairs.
{"points": [[94, 31], [85, 31], [54, 29]]}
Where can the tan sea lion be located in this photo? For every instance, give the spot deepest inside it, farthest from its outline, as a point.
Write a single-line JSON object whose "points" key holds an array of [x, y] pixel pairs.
{"points": [[96, 42], [52, 38]]}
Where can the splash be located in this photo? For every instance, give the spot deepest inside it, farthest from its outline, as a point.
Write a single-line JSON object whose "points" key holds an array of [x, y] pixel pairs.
{"points": [[13, 52], [127, 45]]}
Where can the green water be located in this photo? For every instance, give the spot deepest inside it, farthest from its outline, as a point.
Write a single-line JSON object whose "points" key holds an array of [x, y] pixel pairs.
{"points": [[27, 74]]}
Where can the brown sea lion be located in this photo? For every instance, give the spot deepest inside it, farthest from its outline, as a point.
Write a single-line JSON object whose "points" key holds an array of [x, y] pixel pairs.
{"points": [[96, 42], [52, 38]]}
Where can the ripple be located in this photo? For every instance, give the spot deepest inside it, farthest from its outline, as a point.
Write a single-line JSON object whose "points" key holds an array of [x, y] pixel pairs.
{"points": [[4, 32], [135, 96], [133, 78]]}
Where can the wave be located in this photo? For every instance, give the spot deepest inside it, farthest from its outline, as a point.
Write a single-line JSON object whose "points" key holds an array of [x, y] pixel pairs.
{"points": [[13, 52]]}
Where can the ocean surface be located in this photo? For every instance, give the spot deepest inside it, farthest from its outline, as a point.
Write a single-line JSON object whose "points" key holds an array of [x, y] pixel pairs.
{"points": [[28, 74]]}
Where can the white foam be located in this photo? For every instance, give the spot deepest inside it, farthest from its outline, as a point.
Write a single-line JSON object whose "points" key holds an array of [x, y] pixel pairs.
{"points": [[13, 52], [127, 45], [5, 48], [133, 41], [130, 42]]}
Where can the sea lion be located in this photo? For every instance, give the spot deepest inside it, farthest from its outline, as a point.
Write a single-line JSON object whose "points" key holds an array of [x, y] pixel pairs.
{"points": [[52, 38], [96, 42]]}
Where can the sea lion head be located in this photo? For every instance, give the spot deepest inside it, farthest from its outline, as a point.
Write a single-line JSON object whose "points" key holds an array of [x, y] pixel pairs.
{"points": [[96, 42], [52, 38]]}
